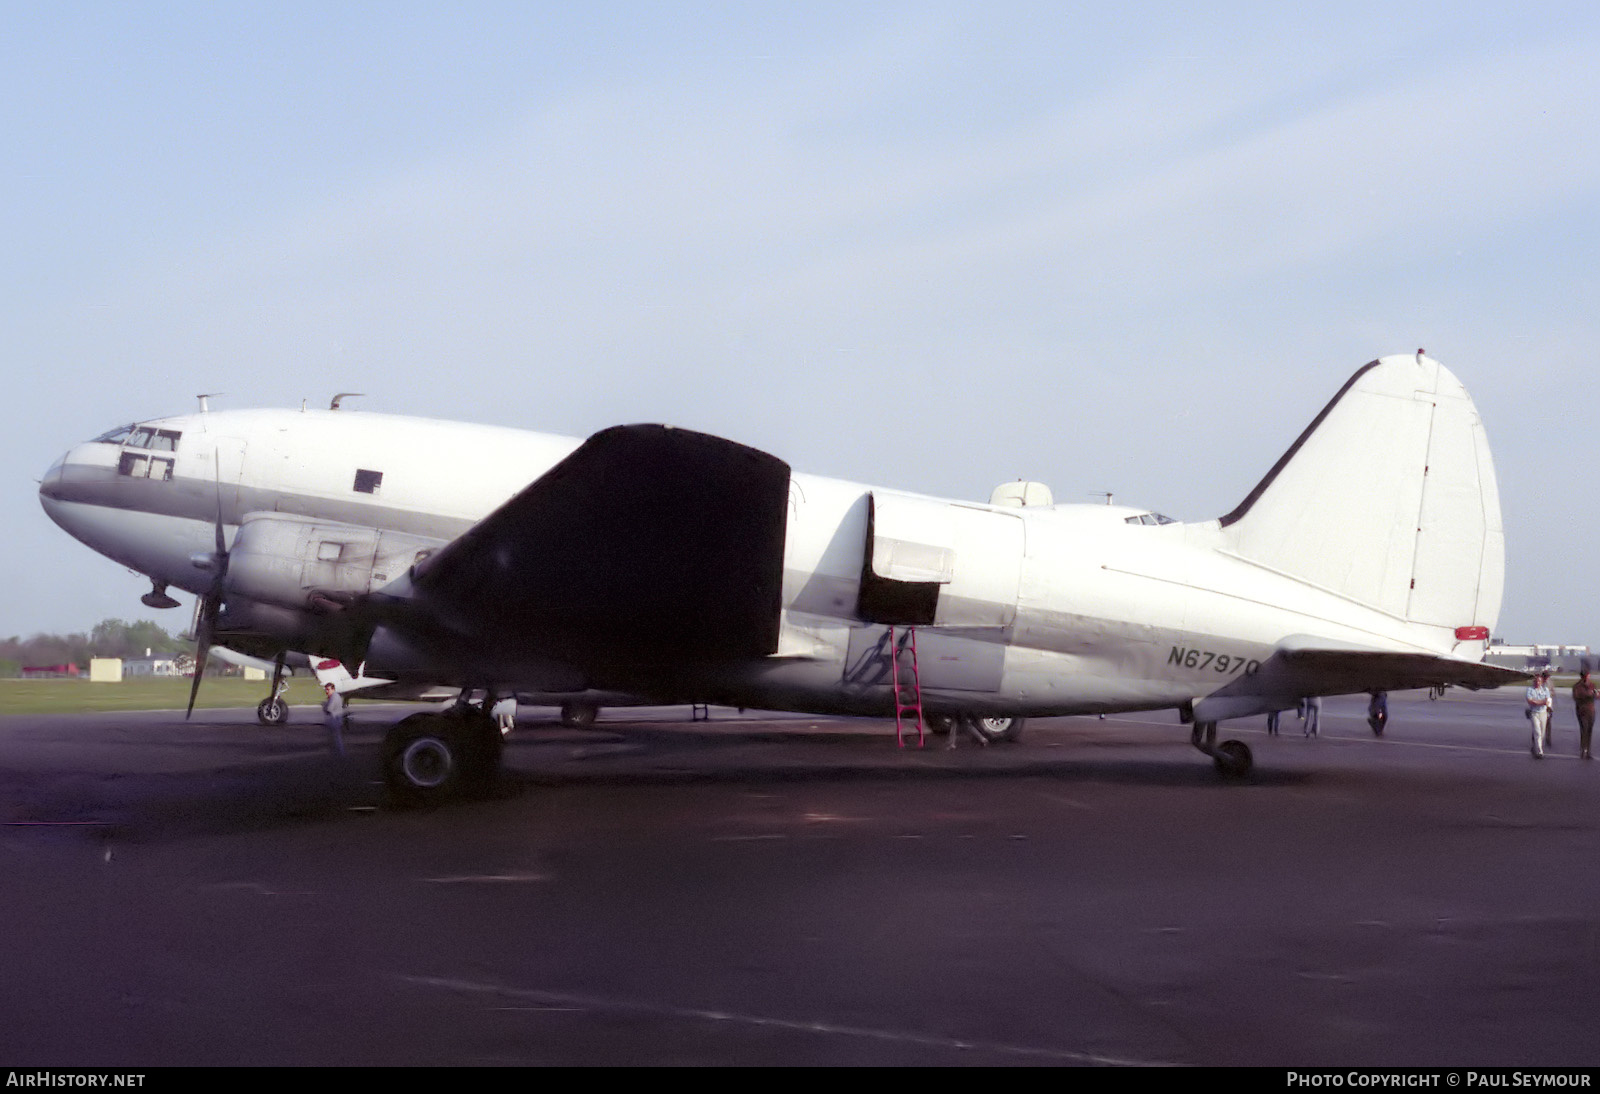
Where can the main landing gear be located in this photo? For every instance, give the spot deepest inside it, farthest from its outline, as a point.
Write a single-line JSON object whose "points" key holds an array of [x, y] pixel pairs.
{"points": [[431, 757], [1232, 758], [986, 730]]}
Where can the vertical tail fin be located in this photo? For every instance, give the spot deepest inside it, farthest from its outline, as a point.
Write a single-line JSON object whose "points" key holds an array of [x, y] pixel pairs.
{"points": [[1389, 498]]}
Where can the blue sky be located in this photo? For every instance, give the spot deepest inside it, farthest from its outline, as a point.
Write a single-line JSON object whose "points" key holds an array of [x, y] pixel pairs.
{"points": [[934, 246]]}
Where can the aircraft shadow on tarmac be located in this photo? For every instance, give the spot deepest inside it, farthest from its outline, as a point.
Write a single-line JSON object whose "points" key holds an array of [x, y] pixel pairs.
{"points": [[293, 780]]}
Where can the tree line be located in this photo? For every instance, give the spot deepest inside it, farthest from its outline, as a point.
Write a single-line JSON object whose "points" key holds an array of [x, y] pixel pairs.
{"points": [[109, 638]]}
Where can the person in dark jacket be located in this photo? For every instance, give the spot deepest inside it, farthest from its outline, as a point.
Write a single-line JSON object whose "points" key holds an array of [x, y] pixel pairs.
{"points": [[1583, 696]]}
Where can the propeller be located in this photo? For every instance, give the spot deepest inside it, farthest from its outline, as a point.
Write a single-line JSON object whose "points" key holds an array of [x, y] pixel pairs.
{"points": [[210, 605]]}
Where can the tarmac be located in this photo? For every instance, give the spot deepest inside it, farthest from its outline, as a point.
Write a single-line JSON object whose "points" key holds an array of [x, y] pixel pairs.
{"points": [[778, 890]]}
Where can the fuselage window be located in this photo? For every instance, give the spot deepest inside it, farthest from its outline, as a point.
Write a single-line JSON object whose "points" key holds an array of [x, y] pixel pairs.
{"points": [[367, 482], [328, 551]]}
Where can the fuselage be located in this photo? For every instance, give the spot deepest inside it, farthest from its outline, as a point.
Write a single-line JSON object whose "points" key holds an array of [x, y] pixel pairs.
{"points": [[1041, 609]]}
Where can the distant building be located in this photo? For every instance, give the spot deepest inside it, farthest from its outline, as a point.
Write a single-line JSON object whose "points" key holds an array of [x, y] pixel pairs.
{"points": [[47, 672], [150, 666], [1557, 658], [105, 670]]}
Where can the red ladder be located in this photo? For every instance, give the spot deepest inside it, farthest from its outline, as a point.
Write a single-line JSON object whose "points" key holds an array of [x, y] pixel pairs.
{"points": [[907, 700]]}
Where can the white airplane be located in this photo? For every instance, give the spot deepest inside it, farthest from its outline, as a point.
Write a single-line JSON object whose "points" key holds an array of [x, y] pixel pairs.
{"points": [[681, 567]]}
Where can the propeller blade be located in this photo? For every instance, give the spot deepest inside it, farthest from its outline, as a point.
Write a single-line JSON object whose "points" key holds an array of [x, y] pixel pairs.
{"points": [[210, 604], [199, 671], [204, 629]]}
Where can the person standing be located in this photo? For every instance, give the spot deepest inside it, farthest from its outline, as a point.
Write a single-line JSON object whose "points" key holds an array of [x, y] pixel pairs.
{"points": [[1311, 711], [1378, 712], [1583, 696], [1550, 722], [1539, 710], [333, 716], [1272, 723]]}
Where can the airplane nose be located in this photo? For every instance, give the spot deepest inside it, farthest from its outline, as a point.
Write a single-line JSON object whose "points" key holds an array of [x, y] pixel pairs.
{"points": [[50, 485]]}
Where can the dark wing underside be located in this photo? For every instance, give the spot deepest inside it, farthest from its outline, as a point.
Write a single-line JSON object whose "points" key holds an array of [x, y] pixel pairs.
{"points": [[647, 543]]}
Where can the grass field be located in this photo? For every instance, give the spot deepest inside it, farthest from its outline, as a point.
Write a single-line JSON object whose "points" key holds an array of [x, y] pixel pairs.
{"points": [[156, 693]]}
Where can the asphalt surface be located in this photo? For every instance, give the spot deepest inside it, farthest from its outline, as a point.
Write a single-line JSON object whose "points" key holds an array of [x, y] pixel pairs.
{"points": [[781, 890]]}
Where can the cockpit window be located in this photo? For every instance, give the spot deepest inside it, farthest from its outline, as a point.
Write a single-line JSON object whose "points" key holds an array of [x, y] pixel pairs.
{"points": [[142, 436], [1149, 518]]}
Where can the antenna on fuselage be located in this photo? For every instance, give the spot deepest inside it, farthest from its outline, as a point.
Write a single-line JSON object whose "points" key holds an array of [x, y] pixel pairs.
{"points": [[1108, 495], [344, 395], [205, 408]]}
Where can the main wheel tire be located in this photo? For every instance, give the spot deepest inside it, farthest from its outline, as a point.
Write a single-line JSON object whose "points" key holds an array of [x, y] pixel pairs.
{"points": [[579, 715], [424, 759], [939, 724], [997, 729], [1233, 759], [272, 712]]}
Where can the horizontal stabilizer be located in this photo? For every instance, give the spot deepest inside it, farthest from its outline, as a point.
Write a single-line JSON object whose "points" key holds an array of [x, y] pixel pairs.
{"points": [[1304, 665], [1339, 671]]}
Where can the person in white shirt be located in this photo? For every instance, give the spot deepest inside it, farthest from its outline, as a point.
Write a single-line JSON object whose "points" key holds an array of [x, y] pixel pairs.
{"points": [[1539, 704]]}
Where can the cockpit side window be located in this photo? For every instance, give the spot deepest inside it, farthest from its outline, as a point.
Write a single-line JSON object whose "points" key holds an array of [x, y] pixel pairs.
{"points": [[138, 465], [368, 482], [143, 436]]}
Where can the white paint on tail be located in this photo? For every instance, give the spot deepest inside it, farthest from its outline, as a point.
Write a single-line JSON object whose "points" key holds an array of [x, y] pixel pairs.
{"points": [[1388, 498]]}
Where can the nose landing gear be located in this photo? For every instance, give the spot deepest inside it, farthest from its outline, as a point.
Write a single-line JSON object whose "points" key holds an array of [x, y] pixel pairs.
{"points": [[273, 711]]}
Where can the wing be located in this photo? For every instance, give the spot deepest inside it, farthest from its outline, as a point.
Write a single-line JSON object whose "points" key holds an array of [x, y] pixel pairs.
{"points": [[649, 543]]}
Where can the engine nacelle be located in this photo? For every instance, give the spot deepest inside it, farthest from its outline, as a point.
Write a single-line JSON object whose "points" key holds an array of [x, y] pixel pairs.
{"points": [[294, 563]]}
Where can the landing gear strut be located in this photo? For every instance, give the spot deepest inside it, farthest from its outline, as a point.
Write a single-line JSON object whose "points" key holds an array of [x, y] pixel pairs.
{"points": [[1232, 758], [273, 711], [431, 757]]}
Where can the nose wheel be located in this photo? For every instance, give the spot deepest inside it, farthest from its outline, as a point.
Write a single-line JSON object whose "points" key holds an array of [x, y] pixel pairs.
{"points": [[1233, 758], [273, 711]]}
